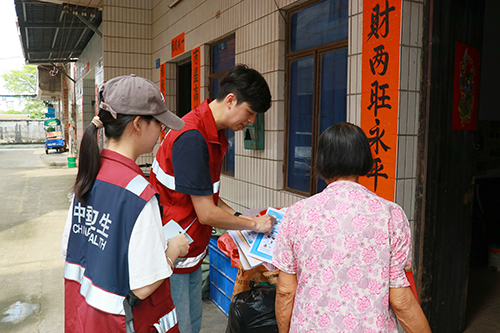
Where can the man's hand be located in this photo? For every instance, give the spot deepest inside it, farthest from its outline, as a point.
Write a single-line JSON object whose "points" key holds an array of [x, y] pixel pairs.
{"points": [[264, 223]]}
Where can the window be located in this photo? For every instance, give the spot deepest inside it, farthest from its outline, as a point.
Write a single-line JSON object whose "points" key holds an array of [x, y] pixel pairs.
{"points": [[317, 85], [222, 60]]}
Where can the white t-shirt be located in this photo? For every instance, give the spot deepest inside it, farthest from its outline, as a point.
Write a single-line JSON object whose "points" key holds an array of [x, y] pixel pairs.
{"points": [[146, 255]]}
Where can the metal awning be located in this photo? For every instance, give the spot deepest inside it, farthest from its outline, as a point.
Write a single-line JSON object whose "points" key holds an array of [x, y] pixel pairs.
{"points": [[53, 32]]}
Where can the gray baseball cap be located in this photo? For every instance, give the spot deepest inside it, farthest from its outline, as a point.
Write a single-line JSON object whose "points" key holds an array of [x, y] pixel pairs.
{"points": [[134, 95]]}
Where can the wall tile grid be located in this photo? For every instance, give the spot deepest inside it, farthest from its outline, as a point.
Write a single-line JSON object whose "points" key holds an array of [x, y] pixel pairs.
{"points": [[127, 38], [411, 46], [260, 43], [354, 62]]}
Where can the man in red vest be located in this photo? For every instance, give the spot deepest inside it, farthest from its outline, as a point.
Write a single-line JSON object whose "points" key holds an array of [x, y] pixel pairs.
{"points": [[186, 173]]}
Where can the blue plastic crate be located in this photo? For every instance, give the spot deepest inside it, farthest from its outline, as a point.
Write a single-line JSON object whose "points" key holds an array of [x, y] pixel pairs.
{"points": [[222, 277], [220, 299]]}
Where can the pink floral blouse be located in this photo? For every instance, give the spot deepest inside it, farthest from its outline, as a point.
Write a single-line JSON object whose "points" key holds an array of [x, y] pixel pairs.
{"points": [[347, 247]]}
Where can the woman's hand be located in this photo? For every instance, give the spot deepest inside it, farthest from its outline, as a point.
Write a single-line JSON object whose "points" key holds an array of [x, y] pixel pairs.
{"points": [[177, 247]]}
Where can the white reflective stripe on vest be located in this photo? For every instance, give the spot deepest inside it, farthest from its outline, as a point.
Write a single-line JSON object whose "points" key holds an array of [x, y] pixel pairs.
{"points": [[189, 262], [137, 185], [166, 180], [94, 296], [166, 322], [216, 186], [169, 181]]}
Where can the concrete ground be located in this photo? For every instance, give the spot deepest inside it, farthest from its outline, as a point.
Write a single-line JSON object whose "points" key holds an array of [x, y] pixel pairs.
{"points": [[214, 320], [34, 198]]}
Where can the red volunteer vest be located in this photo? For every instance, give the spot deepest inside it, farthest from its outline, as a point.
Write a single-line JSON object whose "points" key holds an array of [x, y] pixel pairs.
{"points": [[118, 175], [82, 318], [178, 206]]}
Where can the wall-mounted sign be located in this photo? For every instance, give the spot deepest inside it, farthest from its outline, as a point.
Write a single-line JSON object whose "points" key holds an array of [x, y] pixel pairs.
{"points": [[195, 85], [177, 45], [157, 63], [466, 87], [380, 91]]}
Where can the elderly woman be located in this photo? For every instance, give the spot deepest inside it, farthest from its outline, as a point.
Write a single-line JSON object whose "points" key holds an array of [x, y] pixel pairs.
{"points": [[342, 252]]}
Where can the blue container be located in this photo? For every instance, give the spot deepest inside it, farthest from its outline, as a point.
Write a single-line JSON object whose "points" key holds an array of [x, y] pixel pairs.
{"points": [[222, 277]]}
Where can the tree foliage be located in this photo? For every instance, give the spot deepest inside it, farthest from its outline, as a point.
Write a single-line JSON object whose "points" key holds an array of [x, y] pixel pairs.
{"points": [[23, 82]]}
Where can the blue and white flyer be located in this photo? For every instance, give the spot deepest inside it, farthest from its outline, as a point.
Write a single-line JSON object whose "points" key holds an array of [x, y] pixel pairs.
{"points": [[262, 247]]}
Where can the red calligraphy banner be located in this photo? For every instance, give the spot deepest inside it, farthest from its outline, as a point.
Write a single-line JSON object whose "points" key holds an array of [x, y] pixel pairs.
{"points": [[163, 80], [380, 91], [96, 99], [195, 84], [163, 89], [177, 45], [466, 87]]}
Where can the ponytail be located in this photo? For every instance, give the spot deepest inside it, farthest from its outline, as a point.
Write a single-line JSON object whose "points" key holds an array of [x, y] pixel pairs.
{"points": [[89, 160], [89, 163]]}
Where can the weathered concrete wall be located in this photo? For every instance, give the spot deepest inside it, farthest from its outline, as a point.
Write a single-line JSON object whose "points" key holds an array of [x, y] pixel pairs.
{"points": [[22, 131]]}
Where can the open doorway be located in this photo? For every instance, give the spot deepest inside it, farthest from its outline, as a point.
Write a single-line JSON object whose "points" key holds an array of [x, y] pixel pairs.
{"points": [[445, 235], [184, 87], [483, 301]]}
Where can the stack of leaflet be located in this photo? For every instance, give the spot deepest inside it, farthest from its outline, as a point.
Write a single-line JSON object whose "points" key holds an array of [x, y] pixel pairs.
{"points": [[256, 248]]}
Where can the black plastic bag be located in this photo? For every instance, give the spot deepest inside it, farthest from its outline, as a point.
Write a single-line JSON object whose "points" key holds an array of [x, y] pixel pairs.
{"points": [[253, 311]]}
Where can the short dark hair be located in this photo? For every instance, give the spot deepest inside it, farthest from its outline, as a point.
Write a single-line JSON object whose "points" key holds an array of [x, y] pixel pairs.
{"points": [[247, 85], [343, 150]]}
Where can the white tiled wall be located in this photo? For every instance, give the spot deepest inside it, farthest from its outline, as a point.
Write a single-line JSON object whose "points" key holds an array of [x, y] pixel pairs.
{"points": [[127, 38], [259, 32], [355, 33], [409, 99], [137, 33]]}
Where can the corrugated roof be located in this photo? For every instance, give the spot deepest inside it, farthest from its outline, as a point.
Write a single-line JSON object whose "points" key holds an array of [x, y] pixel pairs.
{"points": [[53, 32]]}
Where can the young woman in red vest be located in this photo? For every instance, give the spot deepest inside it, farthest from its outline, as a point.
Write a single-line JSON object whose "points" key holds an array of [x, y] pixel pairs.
{"points": [[117, 261]]}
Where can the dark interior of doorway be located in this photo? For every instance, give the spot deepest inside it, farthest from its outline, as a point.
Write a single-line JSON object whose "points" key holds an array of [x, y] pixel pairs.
{"points": [[183, 89], [483, 299]]}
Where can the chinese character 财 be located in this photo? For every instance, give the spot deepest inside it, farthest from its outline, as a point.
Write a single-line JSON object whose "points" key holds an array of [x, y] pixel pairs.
{"points": [[376, 25]]}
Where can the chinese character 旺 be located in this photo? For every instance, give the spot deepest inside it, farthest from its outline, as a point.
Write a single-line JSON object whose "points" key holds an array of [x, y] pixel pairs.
{"points": [[375, 23], [381, 58], [375, 98], [91, 217], [195, 76], [377, 138], [104, 224], [79, 211], [375, 172]]}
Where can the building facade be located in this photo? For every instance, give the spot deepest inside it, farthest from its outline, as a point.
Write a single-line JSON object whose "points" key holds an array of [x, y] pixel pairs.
{"points": [[389, 66], [274, 38]]}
